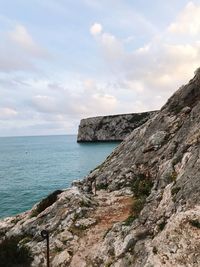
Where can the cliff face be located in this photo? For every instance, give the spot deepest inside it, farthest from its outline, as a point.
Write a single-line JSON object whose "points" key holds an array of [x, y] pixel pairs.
{"points": [[147, 208], [111, 128]]}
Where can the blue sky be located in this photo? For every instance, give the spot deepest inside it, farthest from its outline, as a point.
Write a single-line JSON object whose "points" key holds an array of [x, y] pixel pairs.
{"points": [[63, 60]]}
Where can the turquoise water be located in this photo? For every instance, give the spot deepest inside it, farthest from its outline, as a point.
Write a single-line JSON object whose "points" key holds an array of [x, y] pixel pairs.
{"points": [[32, 167]]}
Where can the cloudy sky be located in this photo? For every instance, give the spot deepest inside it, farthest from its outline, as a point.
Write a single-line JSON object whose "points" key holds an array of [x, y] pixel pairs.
{"points": [[63, 60]]}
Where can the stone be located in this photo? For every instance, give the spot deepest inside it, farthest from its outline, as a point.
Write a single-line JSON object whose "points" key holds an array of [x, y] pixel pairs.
{"points": [[85, 223], [98, 230], [111, 128], [62, 259]]}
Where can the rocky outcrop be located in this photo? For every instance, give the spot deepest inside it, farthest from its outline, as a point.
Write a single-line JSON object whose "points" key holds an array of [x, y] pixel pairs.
{"points": [[146, 211], [111, 128]]}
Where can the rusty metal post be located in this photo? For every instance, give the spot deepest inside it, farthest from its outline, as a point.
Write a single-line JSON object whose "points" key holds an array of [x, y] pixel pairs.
{"points": [[45, 235]]}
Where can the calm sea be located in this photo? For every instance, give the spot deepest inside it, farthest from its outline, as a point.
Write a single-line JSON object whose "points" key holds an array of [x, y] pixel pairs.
{"points": [[32, 167]]}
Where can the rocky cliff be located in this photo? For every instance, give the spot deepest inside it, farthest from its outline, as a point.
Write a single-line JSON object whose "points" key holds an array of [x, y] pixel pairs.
{"points": [[111, 128], [146, 208]]}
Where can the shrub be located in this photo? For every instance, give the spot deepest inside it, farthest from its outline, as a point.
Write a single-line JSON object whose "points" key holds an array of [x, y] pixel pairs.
{"points": [[162, 225], [14, 254], [195, 223], [138, 205], [141, 186], [175, 190], [129, 220], [177, 109], [101, 186], [173, 176]]}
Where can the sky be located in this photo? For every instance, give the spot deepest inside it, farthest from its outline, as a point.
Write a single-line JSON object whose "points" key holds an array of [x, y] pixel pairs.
{"points": [[64, 60]]}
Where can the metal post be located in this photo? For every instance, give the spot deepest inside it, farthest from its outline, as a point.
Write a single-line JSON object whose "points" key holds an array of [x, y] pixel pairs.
{"points": [[45, 235]]}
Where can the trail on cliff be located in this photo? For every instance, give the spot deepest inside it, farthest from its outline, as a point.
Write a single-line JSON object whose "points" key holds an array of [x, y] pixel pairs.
{"points": [[159, 162], [111, 209]]}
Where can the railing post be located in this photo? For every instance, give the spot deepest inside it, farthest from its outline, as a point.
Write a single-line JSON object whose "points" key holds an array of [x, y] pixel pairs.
{"points": [[45, 235]]}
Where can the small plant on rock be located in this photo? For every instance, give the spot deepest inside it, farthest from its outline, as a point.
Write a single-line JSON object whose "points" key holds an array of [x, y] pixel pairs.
{"points": [[129, 220], [138, 205], [162, 225], [175, 190], [14, 254], [141, 187], [195, 223]]}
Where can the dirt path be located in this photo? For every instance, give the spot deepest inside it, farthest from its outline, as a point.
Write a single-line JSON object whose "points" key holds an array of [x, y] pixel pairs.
{"points": [[111, 209]]}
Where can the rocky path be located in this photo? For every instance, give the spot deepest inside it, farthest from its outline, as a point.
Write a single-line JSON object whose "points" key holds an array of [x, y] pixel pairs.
{"points": [[111, 209]]}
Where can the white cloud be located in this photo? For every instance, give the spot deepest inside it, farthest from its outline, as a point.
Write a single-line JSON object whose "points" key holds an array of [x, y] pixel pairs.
{"points": [[140, 69], [7, 113], [188, 21], [45, 103], [21, 37], [160, 66], [19, 51], [64, 103], [104, 102], [89, 85], [96, 29]]}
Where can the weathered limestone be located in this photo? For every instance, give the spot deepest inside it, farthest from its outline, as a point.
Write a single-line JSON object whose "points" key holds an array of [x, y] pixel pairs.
{"points": [[111, 128], [149, 211]]}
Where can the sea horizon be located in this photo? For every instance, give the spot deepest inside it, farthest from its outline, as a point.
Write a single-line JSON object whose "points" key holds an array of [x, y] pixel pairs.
{"points": [[39, 135]]}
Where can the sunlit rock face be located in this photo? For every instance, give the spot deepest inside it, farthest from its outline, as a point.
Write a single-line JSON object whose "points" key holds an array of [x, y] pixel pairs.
{"points": [[111, 128], [146, 210]]}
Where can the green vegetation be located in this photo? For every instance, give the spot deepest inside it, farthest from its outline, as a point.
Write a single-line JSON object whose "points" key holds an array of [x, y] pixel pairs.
{"points": [[101, 186], [177, 159], [129, 220], [109, 263], [46, 202], [25, 240], [195, 223], [172, 177], [155, 250], [57, 249], [14, 254], [177, 109], [162, 225], [141, 187], [175, 190], [138, 205]]}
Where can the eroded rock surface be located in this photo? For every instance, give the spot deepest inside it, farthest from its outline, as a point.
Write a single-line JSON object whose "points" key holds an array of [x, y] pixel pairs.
{"points": [[111, 128], [147, 214]]}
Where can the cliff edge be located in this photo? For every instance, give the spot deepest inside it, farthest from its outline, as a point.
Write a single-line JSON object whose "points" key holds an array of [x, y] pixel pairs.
{"points": [[140, 207], [111, 128]]}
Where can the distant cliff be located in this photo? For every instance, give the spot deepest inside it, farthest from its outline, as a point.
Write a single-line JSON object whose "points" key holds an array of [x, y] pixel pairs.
{"points": [[111, 128], [139, 208]]}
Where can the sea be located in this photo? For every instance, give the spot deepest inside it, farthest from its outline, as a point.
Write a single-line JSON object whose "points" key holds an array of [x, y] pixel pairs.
{"points": [[33, 167]]}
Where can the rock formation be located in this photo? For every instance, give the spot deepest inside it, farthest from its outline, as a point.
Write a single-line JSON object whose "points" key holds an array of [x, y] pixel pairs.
{"points": [[146, 209], [111, 128]]}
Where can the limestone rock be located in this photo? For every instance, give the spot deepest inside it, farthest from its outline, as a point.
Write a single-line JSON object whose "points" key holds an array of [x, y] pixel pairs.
{"points": [[111, 128], [147, 208]]}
